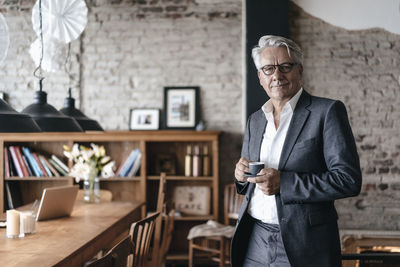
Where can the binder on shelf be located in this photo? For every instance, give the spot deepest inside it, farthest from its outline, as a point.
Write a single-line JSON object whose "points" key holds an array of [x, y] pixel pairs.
{"points": [[60, 163], [15, 161], [14, 196], [31, 161], [60, 170], [52, 169], [129, 162]]}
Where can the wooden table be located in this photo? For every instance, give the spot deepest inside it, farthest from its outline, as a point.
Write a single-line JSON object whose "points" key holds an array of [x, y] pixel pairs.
{"points": [[70, 241]]}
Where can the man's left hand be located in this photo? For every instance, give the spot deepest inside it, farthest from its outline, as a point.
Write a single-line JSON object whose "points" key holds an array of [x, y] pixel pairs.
{"points": [[268, 181]]}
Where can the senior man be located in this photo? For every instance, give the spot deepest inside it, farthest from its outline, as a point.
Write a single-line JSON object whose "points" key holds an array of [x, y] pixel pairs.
{"points": [[288, 216]]}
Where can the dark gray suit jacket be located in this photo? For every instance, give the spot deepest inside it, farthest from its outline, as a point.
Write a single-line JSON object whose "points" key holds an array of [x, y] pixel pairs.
{"points": [[319, 163]]}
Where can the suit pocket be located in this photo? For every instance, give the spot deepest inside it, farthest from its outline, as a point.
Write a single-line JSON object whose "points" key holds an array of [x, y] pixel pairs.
{"points": [[322, 216], [306, 143]]}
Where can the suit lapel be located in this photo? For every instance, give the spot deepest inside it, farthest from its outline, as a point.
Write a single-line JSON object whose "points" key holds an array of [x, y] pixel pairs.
{"points": [[261, 121], [299, 118]]}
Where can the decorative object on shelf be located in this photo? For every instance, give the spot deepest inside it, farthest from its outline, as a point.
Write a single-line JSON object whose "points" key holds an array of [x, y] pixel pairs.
{"points": [[90, 162], [65, 19], [206, 162], [197, 162], [165, 163], [192, 200], [86, 123], [10, 119], [144, 119], [188, 161], [201, 126], [181, 107]]}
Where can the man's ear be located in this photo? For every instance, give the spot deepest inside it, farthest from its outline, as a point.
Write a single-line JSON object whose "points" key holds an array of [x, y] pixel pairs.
{"points": [[259, 75], [301, 69]]}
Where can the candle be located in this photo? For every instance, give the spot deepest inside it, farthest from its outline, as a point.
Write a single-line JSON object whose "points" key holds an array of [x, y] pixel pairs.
{"points": [[12, 223]]}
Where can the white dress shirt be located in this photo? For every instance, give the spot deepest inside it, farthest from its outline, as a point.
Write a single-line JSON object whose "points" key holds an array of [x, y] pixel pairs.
{"points": [[262, 206]]}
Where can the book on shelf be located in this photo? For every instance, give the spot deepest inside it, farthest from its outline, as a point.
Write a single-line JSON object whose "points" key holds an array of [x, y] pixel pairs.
{"points": [[16, 161], [135, 166], [41, 168], [31, 161], [59, 169], [129, 163], [27, 165], [13, 170], [45, 167], [6, 164], [24, 168], [60, 163], [48, 164]]}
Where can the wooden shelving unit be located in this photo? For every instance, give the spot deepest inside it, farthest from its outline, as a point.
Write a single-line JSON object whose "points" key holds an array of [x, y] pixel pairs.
{"points": [[118, 145]]}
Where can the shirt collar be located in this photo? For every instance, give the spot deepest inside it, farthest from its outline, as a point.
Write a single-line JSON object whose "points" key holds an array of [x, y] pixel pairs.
{"points": [[269, 108]]}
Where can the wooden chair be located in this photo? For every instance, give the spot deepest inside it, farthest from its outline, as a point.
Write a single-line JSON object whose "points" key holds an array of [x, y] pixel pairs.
{"points": [[142, 234], [217, 247], [117, 256], [163, 231]]}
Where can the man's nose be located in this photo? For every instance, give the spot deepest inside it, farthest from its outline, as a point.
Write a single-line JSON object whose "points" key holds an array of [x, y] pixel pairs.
{"points": [[277, 74]]}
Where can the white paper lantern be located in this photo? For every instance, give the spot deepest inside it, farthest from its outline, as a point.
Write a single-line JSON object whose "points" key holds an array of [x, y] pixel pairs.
{"points": [[54, 54], [63, 20]]}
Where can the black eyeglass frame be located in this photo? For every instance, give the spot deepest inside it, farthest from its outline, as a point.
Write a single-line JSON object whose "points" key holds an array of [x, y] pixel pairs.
{"points": [[281, 67]]}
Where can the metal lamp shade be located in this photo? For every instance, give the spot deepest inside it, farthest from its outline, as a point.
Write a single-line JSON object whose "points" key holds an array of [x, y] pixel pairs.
{"points": [[12, 121], [48, 118], [86, 123]]}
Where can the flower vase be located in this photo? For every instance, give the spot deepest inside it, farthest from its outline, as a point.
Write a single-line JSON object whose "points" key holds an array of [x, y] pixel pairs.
{"points": [[91, 190]]}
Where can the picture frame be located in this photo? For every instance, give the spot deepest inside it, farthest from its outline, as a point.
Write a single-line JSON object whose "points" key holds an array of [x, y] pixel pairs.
{"points": [[144, 119], [181, 105], [165, 163], [192, 200]]}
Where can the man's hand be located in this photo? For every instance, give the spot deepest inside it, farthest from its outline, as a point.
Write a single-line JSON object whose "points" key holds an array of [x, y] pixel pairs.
{"points": [[268, 181], [242, 166]]}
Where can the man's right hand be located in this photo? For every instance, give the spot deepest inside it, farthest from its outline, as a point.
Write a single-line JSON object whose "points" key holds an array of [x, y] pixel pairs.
{"points": [[242, 166]]}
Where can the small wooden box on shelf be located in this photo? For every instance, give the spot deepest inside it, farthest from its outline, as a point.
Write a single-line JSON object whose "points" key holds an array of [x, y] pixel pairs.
{"points": [[162, 150]]}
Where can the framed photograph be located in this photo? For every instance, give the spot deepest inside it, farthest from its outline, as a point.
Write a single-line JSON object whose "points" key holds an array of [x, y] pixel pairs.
{"points": [[144, 119], [181, 106], [165, 163], [192, 200]]}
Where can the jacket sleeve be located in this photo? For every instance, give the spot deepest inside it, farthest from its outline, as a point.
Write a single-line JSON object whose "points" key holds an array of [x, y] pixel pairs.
{"points": [[241, 187], [342, 177]]}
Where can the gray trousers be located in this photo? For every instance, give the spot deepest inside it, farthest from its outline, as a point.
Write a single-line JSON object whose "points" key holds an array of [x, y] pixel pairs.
{"points": [[265, 248]]}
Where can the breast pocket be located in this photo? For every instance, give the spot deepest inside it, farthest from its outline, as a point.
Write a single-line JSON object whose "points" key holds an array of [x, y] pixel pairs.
{"points": [[306, 144]]}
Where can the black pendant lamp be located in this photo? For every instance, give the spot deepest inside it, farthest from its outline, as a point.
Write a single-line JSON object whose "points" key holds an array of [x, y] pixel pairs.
{"points": [[86, 123], [47, 117], [12, 121]]}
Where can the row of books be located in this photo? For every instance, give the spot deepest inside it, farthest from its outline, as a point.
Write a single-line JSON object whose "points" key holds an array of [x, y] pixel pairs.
{"points": [[23, 162], [130, 165]]}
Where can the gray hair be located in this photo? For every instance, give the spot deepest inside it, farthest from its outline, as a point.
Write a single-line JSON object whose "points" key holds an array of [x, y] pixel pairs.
{"points": [[276, 41]]}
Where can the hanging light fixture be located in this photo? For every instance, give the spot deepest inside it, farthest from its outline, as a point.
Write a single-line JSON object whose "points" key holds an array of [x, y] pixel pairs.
{"points": [[86, 123], [46, 116], [69, 109], [11, 120]]}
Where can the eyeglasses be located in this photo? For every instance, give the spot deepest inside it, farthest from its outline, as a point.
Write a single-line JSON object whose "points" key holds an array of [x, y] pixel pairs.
{"points": [[283, 68]]}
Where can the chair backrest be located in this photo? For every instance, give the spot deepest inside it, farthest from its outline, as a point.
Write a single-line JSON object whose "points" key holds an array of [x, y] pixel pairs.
{"points": [[232, 203], [117, 256], [142, 234], [158, 226], [166, 235]]}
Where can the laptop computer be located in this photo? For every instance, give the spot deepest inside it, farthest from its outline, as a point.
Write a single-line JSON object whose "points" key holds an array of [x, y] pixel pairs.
{"points": [[57, 202]]}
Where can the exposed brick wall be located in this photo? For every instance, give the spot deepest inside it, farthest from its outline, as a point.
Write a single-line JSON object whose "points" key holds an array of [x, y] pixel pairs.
{"points": [[362, 69]]}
